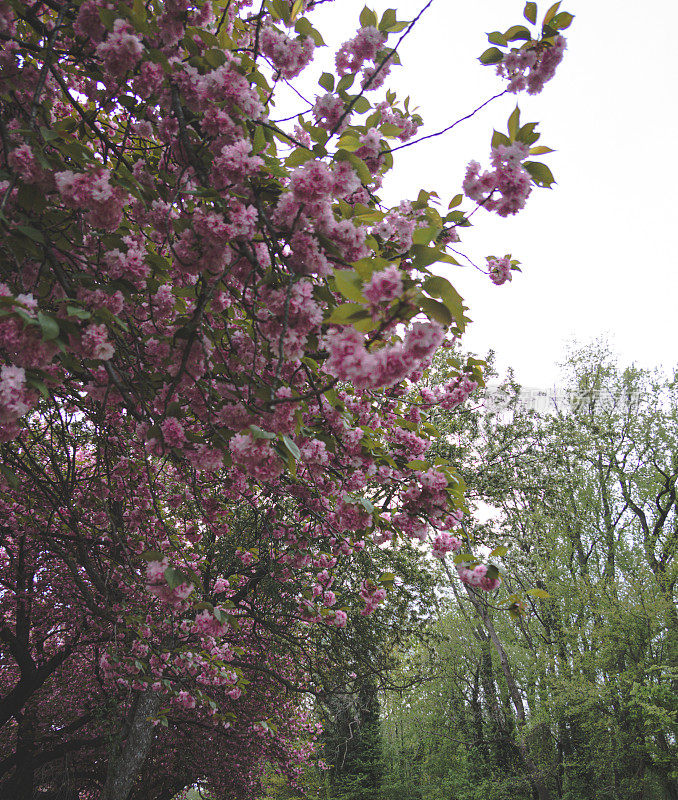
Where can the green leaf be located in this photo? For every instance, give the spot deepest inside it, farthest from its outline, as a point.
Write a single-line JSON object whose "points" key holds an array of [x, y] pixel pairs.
{"points": [[387, 577], [390, 130], [358, 164], [550, 14], [49, 327], [367, 505], [31, 198], [518, 32], [491, 56], [435, 310], [259, 433], [500, 138], [349, 142], [497, 38], [347, 313], [291, 446], [423, 256], [540, 150], [152, 555], [530, 12], [346, 82], [349, 284], [138, 16], [215, 57], [514, 123], [527, 134], [10, 476], [362, 105], [296, 8], [327, 81], [424, 235], [279, 9], [299, 156], [388, 19], [418, 464], [441, 287], [500, 551], [107, 17], [31, 232], [562, 20], [305, 28], [259, 142], [368, 17], [39, 385], [540, 593], [540, 173], [174, 577]]}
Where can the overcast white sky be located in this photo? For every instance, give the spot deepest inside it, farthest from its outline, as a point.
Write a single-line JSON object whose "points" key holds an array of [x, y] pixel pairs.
{"points": [[598, 250]]}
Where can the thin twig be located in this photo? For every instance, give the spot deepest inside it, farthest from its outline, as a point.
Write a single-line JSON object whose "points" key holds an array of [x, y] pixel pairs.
{"points": [[444, 130], [381, 66]]}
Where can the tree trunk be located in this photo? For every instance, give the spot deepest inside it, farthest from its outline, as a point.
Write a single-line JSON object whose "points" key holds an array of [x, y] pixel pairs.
{"points": [[535, 774], [130, 756]]}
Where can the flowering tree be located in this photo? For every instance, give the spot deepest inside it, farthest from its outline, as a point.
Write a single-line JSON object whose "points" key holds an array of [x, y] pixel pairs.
{"points": [[209, 329]]}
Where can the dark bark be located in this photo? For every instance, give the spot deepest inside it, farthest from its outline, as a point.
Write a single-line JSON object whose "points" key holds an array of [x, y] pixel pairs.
{"points": [[130, 755]]}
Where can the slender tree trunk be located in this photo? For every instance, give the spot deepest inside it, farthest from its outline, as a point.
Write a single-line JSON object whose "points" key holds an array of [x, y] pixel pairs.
{"points": [[535, 773], [24, 774], [131, 754]]}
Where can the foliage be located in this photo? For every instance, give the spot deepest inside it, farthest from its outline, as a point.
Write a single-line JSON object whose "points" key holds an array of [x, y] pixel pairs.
{"points": [[585, 495], [208, 327]]}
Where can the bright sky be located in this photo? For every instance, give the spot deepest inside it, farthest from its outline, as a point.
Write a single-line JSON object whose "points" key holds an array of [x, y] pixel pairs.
{"points": [[597, 251]]}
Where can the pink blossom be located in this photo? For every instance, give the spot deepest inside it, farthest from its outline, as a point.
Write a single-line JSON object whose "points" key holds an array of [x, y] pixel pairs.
{"points": [[499, 270], [445, 543], [384, 286], [509, 180], [122, 49], [328, 110], [363, 47], [531, 68], [173, 432], [289, 56], [340, 618], [95, 343]]}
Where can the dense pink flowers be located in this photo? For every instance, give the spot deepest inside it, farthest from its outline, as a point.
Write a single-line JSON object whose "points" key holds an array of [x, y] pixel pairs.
{"points": [[256, 456], [13, 396], [499, 270], [350, 360], [478, 576], [289, 56], [507, 187], [211, 329], [445, 543], [92, 192], [353, 54], [122, 49], [234, 163], [531, 68], [384, 286]]}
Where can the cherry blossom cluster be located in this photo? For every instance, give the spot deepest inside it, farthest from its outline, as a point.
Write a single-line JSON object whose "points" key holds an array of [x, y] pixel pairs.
{"points": [[499, 270], [372, 596], [450, 394], [532, 67], [504, 189], [351, 360], [289, 56], [353, 54], [479, 576], [445, 543], [210, 328]]}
